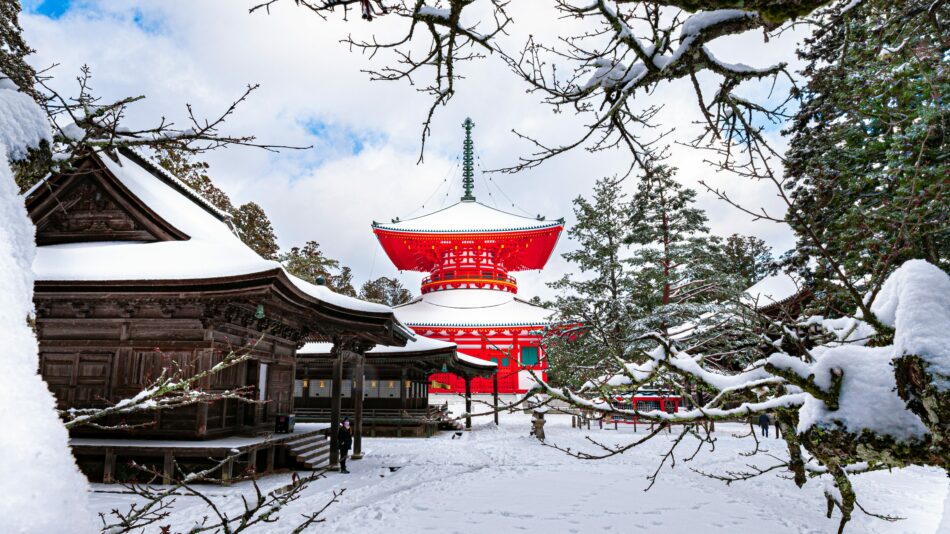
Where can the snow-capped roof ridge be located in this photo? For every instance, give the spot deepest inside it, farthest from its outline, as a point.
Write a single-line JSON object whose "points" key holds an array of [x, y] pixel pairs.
{"points": [[163, 174], [468, 216]]}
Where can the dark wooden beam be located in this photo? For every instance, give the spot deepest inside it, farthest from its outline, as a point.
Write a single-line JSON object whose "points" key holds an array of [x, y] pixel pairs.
{"points": [[468, 403], [358, 409], [336, 390], [168, 467], [108, 469], [494, 391]]}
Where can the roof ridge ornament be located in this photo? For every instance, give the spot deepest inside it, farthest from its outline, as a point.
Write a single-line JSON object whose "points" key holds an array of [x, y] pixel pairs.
{"points": [[468, 170]]}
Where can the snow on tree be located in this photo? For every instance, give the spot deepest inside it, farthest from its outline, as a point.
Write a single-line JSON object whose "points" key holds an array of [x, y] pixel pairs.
{"points": [[594, 309], [867, 158], [43, 490], [384, 290], [748, 257]]}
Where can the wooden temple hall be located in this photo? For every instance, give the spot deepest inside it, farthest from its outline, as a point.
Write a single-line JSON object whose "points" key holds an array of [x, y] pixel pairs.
{"points": [[385, 391], [136, 275]]}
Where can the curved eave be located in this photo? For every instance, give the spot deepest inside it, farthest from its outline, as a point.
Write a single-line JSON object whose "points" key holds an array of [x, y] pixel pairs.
{"points": [[398, 245], [493, 326], [472, 231], [374, 326]]}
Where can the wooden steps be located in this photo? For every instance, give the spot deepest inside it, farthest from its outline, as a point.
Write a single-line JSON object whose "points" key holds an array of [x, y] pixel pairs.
{"points": [[312, 452]]}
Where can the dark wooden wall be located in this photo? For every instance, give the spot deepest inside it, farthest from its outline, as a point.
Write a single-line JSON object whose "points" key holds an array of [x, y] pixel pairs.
{"points": [[92, 356]]}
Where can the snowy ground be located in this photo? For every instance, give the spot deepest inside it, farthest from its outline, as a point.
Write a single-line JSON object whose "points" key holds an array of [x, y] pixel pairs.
{"points": [[497, 479]]}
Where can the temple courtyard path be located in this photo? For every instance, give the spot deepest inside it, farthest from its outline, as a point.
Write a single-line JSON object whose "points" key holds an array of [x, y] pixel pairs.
{"points": [[494, 480]]}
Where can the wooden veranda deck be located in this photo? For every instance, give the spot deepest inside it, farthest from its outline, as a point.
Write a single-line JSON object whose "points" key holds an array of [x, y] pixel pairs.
{"points": [[306, 447]]}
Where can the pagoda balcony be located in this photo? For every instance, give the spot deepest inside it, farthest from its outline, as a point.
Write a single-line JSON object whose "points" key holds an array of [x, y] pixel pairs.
{"points": [[497, 281]]}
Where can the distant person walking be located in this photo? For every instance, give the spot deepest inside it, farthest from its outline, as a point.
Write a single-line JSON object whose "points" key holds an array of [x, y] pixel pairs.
{"points": [[778, 429], [346, 441], [764, 424]]}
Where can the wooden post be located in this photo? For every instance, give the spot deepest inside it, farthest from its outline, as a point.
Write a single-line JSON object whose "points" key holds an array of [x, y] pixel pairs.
{"points": [[252, 461], [402, 400], [270, 459], [336, 390], [108, 468], [494, 391], [358, 409], [168, 469], [226, 472], [468, 403]]}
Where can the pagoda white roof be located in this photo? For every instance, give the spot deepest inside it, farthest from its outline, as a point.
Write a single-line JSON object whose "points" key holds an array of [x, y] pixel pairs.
{"points": [[468, 216], [213, 250], [471, 308]]}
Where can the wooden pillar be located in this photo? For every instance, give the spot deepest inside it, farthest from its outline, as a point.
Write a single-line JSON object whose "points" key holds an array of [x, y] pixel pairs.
{"points": [[108, 467], [168, 467], [402, 400], [494, 391], [252, 461], [270, 459], [468, 403], [336, 391], [358, 409], [226, 469]]}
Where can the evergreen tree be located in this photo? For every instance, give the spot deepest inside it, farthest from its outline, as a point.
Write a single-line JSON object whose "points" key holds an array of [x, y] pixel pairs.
{"points": [[255, 229], [342, 282], [383, 290], [593, 309], [739, 260], [13, 49], [311, 264], [669, 235], [869, 144]]}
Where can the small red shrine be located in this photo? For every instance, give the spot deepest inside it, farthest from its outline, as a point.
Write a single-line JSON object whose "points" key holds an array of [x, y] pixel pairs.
{"points": [[470, 298]]}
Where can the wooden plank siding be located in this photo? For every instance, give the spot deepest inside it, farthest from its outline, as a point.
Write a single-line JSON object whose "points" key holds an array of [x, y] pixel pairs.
{"points": [[93, 362]]}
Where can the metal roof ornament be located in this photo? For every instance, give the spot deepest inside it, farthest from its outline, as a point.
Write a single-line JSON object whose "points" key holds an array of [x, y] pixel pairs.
{"points": [[468, 168]]}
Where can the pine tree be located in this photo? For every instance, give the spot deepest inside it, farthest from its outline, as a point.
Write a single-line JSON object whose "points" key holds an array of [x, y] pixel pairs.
{"points": [[384, 290], [669, 235], [342, 282], [255, 230], [601, 299], [311, 264], [869, 145], [13, 49]]}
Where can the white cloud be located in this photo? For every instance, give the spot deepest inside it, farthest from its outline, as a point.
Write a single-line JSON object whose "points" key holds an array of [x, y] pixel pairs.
{"points": [[205, 52]]}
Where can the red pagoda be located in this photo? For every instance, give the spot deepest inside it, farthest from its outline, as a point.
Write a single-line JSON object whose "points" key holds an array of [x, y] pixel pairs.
{"points": [[469, 298]]}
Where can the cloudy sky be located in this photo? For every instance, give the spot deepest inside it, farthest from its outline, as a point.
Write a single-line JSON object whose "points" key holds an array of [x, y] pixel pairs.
{"points": [[365, 136]]}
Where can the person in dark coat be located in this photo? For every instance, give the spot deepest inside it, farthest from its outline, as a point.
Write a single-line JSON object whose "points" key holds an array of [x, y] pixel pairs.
{"points": [[764, 424], [345, 436]]}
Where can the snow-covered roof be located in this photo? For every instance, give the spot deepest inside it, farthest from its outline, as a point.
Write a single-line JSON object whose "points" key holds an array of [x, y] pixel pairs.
{"points": [[212, 250], [773, 289], [468, 216], [471, 307], [478, 362], [418, 344]]}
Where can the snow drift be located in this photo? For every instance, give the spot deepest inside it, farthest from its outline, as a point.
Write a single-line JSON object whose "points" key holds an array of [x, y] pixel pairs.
{"points": [[41, 489]]}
